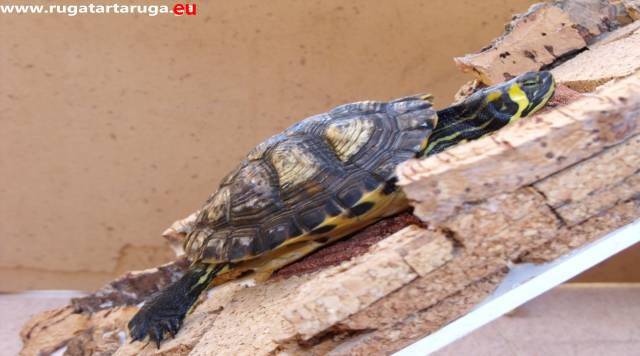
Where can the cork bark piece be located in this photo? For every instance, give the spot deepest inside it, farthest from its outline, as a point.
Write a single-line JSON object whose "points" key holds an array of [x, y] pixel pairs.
{"points": [[423, 322], [546, 35], [595, 17], [589, 230], [601, 64], [596, 184], [533, 40], [49, 331]]}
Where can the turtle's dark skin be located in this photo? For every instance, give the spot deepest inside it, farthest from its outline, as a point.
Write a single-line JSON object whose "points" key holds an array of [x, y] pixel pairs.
{"points": [[320, 180]]}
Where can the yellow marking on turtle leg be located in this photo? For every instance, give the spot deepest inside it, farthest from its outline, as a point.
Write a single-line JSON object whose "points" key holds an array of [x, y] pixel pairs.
{"points": [[205, 278], [211, 272]]}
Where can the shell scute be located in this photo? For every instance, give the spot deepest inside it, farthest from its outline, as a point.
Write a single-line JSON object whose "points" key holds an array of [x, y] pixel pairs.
{"points": [[347, 137], [253, 192], [312, 218], [358, 108], [294, 163]]}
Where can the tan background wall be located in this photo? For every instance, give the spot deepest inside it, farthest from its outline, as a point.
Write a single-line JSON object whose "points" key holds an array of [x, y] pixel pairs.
{"points": [[113, 126]]}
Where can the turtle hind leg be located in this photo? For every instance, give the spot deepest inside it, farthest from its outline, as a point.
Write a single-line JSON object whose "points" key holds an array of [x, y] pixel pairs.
{"points": [[164, 312]]}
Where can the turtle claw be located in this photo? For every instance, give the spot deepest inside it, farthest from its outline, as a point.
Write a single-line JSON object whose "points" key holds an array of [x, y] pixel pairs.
{"points": [[156, 335], [171, 327], [154, 321], [161, 315]]}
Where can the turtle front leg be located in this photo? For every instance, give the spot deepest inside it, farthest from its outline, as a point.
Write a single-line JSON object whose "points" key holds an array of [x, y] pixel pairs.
{"points": [[165, 311]]}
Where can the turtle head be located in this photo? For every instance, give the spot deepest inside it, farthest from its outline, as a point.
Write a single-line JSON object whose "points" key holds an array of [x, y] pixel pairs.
{"points": [[529, 91], [490, 109]]}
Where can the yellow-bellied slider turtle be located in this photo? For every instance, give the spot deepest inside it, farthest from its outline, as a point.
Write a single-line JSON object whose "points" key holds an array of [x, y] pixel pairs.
{"points": [[320, 180]]}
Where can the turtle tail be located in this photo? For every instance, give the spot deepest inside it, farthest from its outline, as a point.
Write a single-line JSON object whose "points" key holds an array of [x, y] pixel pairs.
{"points": [[165, 311]]}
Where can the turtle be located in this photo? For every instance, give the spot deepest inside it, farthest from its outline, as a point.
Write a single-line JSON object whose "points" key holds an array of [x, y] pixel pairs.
{"points": [[320, 180]]}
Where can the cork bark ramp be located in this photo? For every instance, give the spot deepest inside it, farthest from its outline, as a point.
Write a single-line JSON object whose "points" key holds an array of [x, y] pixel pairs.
{"points": [[529, 193]]}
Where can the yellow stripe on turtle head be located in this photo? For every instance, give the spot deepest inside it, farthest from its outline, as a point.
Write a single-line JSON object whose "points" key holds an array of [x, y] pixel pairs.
{"points": [[518, 96], [494, 95]]}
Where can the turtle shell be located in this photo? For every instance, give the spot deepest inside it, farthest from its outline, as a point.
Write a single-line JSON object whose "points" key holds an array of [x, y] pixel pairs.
{"points": [[322, 177]]}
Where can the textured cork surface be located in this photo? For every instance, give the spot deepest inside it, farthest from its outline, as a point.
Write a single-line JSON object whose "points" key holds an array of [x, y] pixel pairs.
{"points": [[533, 39], [602, 63]]}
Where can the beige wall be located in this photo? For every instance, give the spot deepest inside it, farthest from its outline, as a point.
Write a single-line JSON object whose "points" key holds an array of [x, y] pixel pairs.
{"points": [[114, 126]]}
